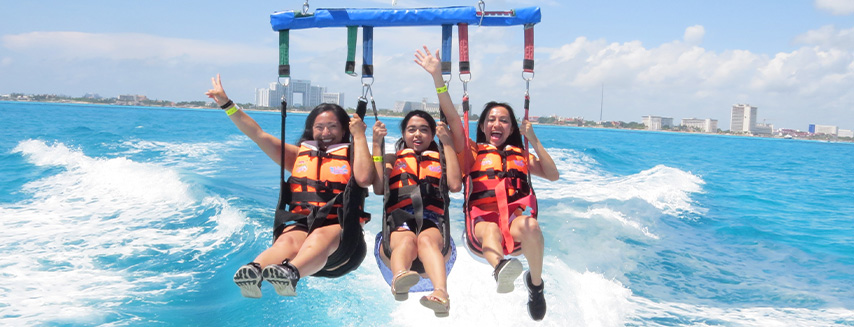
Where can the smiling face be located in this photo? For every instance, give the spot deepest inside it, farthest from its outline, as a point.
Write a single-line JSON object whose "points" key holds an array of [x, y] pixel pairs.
{"points": [[497, 126], [417, 135], [327, 130]]}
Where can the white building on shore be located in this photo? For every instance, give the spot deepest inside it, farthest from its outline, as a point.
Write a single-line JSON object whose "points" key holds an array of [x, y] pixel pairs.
{"points": [[824, 129], [707, 125], [743, 119], [310, 96], [655, 123], [407, 106]]}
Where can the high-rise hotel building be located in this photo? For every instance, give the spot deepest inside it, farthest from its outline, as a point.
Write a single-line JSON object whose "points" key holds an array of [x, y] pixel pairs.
{"points": [[743, 119], [309, 95]]}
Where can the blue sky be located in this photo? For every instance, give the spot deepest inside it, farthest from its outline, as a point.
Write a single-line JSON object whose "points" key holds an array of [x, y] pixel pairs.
{"points": [[682, 59]]}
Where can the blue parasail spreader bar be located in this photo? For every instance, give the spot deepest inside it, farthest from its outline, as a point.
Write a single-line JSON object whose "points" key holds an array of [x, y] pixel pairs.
{"points": [[342, 17]]}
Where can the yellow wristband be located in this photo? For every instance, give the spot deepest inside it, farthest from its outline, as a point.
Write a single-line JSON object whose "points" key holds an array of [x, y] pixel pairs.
{"points": [[378, 158], [231, 111], [442, 89]]}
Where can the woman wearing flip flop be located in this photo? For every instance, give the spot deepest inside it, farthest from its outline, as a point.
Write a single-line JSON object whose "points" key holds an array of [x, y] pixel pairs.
{"points": [[416, 168], [497, 169]]}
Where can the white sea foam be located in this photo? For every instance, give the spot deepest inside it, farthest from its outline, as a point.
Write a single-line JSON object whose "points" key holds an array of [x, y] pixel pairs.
{"points": [[65, 247], [648, 312], [573, 298], [201, 157], [607, 214], [665, 188]]}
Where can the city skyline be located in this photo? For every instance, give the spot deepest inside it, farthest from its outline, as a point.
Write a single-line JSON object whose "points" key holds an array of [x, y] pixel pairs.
{"points": [[679, 59]]}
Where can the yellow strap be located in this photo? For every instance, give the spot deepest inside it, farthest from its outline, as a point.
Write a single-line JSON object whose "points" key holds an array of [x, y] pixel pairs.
{"points": [[442, 89], [231, 111]]}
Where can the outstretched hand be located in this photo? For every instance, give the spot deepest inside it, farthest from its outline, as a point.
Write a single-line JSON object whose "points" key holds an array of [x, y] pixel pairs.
{"points": [[217, 92], [428, 61]]}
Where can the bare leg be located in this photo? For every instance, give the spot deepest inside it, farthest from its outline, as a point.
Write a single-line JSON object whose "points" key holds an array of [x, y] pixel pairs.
{"points": [[285, 247], [490, 240], [430, 253], [316, 249], [403, 250], [526, 230]]}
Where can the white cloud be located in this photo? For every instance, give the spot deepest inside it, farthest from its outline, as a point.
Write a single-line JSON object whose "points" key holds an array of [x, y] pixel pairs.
{"points": [[678, 78], [124, 46], [829, 37], [836, 7], [694, 34]]}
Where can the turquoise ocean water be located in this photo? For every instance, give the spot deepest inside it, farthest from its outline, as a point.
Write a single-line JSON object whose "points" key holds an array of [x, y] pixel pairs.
{"points": [[140, 216]]}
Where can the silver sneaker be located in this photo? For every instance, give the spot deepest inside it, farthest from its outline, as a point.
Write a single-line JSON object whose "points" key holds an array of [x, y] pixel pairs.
{"points": [[284, 278], [248, 278], [506, 273]]}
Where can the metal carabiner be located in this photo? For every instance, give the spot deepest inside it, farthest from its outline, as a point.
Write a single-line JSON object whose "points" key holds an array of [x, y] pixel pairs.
{"points": [[482, 7], [465, 89], [286, 83], [366, 87], [527, 81], [465, 80], [366, 90], [305, 8], [447, 80]]}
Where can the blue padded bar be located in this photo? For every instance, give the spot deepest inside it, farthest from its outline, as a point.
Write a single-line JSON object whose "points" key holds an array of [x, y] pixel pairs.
{"points": [[342, 17]]}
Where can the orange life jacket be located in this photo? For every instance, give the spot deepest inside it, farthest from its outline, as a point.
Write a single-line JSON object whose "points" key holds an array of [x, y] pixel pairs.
{"points": [[500, 177], [491, 166], [317, 176], [411, 168]]}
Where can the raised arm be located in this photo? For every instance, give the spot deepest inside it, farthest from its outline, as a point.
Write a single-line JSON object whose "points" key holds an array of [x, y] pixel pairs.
{"points": [[433, 65], [542, 166], [379, 152], [452, 165], [363, 168], [270, 144]]}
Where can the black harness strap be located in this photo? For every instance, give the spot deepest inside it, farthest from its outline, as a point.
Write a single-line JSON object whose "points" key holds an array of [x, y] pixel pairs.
{"points": [[421, 194]]}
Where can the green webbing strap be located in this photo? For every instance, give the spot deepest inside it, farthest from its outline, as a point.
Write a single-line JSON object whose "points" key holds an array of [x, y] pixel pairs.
{"points": [[350, 65], [284, 45]]}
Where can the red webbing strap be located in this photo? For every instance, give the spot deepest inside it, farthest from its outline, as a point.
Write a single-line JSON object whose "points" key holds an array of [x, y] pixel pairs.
{"points": [[465, 74], [504, 215], [463, 31], [525, 152], [528, 67], [528, 62]]}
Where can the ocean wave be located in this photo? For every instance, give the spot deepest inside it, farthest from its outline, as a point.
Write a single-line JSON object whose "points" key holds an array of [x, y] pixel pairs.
{"points": [[652, 313], [574, 299], [665, 188], [202, 157], [102, 232]]}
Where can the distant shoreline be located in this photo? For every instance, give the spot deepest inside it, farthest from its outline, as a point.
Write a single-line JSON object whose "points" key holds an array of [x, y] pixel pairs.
{"points": [[816, 138]]}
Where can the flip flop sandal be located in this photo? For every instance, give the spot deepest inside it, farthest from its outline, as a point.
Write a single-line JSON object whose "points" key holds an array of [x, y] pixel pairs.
{"points": [[402, 282], [440, 306]]}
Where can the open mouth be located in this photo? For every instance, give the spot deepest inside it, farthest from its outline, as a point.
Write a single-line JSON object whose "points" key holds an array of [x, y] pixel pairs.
{"points": [[495, 136]]}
